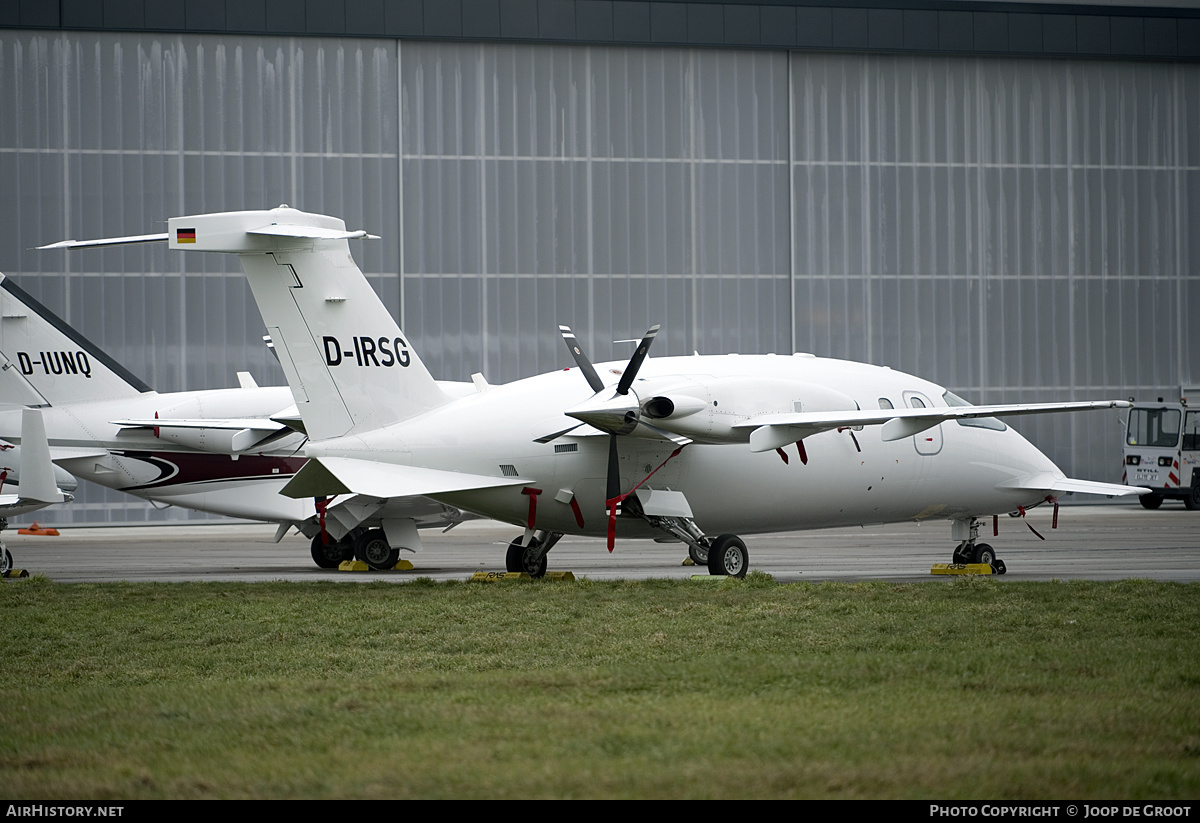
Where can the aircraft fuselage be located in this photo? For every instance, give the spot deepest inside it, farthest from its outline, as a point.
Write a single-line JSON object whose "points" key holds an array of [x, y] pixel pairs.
{"points": [[851, 477]]}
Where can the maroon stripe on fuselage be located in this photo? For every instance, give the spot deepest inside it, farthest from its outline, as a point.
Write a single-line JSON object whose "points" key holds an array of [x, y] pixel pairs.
{"points": [[183, 468]]}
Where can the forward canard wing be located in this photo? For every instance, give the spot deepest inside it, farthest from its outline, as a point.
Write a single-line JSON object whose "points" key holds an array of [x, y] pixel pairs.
{"points": [[1055, 485]]}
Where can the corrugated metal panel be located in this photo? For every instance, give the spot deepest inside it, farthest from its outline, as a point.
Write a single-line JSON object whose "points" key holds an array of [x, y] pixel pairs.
{"points": [[1015, 229]]}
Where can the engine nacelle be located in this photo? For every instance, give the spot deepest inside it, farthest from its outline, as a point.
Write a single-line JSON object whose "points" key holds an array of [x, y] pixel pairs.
{"points": [[706, 410]]}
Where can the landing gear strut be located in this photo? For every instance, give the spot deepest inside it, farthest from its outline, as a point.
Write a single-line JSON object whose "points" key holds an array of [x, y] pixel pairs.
{"points": [[724, 555], [531, 558], [971, 551]]}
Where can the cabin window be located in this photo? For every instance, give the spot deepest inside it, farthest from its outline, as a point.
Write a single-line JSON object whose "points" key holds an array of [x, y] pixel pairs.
{"points": [[991, 423], [1153, 427], [884, 403]]}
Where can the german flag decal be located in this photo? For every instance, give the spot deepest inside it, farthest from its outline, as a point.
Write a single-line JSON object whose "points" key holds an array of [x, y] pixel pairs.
{"points": [[185, 235]]}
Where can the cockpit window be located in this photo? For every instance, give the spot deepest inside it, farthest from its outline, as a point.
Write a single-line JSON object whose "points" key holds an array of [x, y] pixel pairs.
{"points": [[952, 399], [1153, 427], [1191, 432]]}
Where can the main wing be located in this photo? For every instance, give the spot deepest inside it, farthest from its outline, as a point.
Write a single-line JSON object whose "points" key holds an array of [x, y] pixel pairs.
{"points": [[325, 476], [771, 431], [222, 436]]}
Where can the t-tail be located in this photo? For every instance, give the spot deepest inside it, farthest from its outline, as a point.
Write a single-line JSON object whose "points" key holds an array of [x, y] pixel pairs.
{"points": [[45, 362], [350, 367]]}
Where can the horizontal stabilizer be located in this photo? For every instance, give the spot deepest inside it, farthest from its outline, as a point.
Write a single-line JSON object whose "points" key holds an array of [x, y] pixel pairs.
{"points": [[107, 241], [324, 476], [1051, 483], [311, 233]]}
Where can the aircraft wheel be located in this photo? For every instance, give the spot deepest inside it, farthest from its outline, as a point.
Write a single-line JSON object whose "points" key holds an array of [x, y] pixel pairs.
{"points": [[372, 548], [1150, 501], [727, 556], [328, 556], [984, 554], [6, 561], [524, 559], [962, 554], [1192, 501], [699, 555]]}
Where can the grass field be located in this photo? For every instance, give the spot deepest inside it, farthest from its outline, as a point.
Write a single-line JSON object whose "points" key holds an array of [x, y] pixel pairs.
{"points": [[967, 688]]}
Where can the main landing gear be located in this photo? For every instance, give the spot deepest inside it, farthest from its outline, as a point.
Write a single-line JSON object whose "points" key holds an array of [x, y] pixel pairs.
{"points": [[969, 550], [329, 555], [531, 558], [6, 558], [368, 545], [725, 555]]}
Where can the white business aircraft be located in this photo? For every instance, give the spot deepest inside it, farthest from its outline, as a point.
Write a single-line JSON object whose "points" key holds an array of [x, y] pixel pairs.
{"points": [[224, 451], [38, 485], [697, 449]]}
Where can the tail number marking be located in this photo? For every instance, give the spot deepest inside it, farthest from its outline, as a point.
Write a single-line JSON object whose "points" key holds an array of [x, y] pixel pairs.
{"points": [[367, 351], [56, 362]]}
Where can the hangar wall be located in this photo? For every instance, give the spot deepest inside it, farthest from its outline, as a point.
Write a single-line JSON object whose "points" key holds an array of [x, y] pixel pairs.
{"points": [[1014, 228]]}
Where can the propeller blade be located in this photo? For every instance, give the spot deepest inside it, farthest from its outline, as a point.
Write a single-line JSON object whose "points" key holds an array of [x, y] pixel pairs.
{"points": [[635, 362], [613, 488], [581, 359]]}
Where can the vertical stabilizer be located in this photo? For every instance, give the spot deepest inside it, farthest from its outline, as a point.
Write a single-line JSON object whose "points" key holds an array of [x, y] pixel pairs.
{"points": [[349, 365], [46, 362]]}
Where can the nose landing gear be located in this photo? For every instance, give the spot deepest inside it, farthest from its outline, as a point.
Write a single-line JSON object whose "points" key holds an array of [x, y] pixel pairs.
{"points": [[969, 550]]}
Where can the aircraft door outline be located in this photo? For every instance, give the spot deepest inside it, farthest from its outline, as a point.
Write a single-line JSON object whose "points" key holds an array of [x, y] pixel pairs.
{"points": [[928, 442]]}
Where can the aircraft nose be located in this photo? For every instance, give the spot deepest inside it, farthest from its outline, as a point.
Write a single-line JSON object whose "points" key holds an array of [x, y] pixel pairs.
{"points": [[1025, 457]]}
